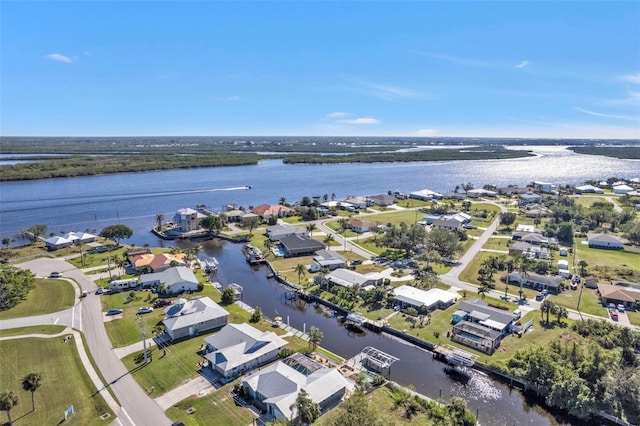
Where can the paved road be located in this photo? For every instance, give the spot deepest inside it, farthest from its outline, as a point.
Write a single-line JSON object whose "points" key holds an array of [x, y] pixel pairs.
{"points": [[137, 408]]}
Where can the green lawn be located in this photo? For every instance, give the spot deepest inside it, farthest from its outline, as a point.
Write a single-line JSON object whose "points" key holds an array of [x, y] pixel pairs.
{"points": [[589, 302], [217, 408], [46, 297], [608, 264], [634, 317], [64, 383], [497, 244], [587, 201], [36, 329]]}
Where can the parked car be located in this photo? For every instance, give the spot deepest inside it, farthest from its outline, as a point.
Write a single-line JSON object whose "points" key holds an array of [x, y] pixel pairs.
{"points": [[100, 290], [539, 296], [161, 302], [621, 307], [611, 306], [614, 315], [114, 311], [55, 274], [145, 310], [85, 293], [356, 262], [517, 313]]}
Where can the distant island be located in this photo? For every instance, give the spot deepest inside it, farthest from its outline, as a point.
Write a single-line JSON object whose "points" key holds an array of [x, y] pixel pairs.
{"points": [[77, 156]]}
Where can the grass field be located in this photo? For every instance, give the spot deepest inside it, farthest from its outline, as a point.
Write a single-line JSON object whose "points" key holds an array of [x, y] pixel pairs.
{"points": [[609, 263], [64, 383], [46, 297], [496, 243], [589, 302], [634, 317], [217, 408], [36, 329]]}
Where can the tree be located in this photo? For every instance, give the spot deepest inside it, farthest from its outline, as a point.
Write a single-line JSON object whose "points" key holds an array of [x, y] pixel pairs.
{"points": [[307, 410], [560, 312], [357, 411], [159, 219], [6, 241], [283, 201], [445, 242], [116, 233], [31, 383], [547, 307], [310, 228], [301, 271], [212, 223], [327, 240], [36, 231], [315, 337], [268, 244], [15, 285], [507, 219], [228, 296], [483, 290], [8, 400], [256, 315], [251, 223], [583, 267]]}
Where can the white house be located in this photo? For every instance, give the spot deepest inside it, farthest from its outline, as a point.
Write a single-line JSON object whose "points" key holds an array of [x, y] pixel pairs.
{"points": [[622, 189], [605, 241], [275, 388], [425, 195], [278, 232], [56, 242], [589, 189], [348, 278], [407, 296], [192, 317], [187, 220], [238, 348], [327, 259], [173, 280]]}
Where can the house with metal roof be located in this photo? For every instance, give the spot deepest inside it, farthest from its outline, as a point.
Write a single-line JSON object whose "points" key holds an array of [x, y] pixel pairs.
{"points": [[57, 242], [481, 326], [238, 348], [300, 245], [327, 259], [275, 388], [539, 282], [278, 232], [408, 296], [425, 195], [187, 318], [347, 278], [617, 294], [172, 281], [605, 241]]}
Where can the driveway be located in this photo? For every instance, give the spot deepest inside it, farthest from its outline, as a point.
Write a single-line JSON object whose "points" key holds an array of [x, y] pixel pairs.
{"points": [[136, 406]]}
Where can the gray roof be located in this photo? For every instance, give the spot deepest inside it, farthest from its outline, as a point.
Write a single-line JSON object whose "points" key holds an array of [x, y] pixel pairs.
{"points": [[192, 312], [171, 276], [300, 242], [605, 238], [328, 255], [550, 281], [479, 308], [477, 329], [284, 229]]}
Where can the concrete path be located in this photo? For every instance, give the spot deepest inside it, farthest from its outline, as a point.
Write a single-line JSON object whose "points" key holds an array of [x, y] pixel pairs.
{"points": [[198, 386], [136, 347]]}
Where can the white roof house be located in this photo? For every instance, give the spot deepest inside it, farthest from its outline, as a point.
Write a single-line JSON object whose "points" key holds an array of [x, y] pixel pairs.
{"points": [[237, 348], [276, 387], [56, 242], [174, 280], [187, 318], [622, 189], [605, 241], [418, 298], [589, 189], [425, 194], [348, 278]]}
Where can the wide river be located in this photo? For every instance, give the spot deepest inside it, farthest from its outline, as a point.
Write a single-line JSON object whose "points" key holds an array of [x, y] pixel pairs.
{"points": [[134, 199]]}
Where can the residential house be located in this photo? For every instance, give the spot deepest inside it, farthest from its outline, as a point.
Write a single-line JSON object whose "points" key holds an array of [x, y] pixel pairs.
{"points": [[622, 189], [361, 226], [425, 195], [481, 192], [536, 281], [57, 242], [589, 189], [80, 237], [187, 318], [536, 210], [530, 198], [278, 232], [544, 186], [448, 224], [605, 241], [538, 239], [480, 326], [122, 285], [359, 202], [382, 200], [347, 278], [299, 245], [616, 294], [529, 251], [590, 282], [235, 215], [174, 280], [407, 296], [266, 211], [187, 220], [275, 388], [454, 196], [238, 348], [327, 259], [157, 263]]}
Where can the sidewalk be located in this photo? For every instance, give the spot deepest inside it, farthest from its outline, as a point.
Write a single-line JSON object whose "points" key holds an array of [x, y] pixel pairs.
{"points": [[135, 347], [198, 386]]}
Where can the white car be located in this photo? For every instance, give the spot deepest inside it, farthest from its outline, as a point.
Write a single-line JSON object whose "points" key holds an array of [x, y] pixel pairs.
{"points": [[145, 310], [621, 307]]}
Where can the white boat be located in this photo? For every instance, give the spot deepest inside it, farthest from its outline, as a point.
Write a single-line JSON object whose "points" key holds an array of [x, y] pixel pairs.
{"points": [[458, 357]]}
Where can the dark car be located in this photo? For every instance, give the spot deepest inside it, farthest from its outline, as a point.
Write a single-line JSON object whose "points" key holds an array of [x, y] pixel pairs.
{"points": [[114, 311], [161, 302], [55, 274]]}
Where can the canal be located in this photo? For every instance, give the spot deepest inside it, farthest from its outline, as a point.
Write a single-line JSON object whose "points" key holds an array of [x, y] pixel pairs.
{"points": [[495, 402]]}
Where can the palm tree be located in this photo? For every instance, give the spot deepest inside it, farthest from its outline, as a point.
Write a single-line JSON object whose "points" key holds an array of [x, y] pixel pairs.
{"points": [[315, 336], [159, 219], [8, 400], [301, 270], [310, 228], [268, 244], [308, 411], [282, 201], [483, 290], [583, 267], [561, 312], [31, 383], [327, 240], [547, 306]]}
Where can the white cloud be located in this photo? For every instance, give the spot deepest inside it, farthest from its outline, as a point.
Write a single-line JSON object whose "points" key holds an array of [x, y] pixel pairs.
{"points": [[426, 132], [600, 114], [632, 100], [523, 64], [360, 120], [58, 57], [631, 78], [336, 115]]}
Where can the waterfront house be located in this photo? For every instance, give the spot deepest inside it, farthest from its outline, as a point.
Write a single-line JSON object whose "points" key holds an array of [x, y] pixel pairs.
{"points": [[278, 232], [235, 215], [238, 348], [589, 189], [607, 241], [187, 220], [174, 280], [157, 263], [327, 259], [536, 281], [265, 211], [80, 237], [622, 189], [187, 318], [275, 388], [382, 200], [407, 296], [481, 326], [544, 186], [454, 196], [425, 195], [361, 226], [57, 242], [480, 192], [299, 245], [347, 278], [358, 202]]}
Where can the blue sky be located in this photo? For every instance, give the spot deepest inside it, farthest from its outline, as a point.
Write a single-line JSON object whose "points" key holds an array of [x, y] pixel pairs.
{"points": [[551, 69]]}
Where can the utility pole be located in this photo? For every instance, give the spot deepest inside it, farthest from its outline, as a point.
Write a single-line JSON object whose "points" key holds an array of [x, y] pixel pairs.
{"points": [[144, 338]]}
